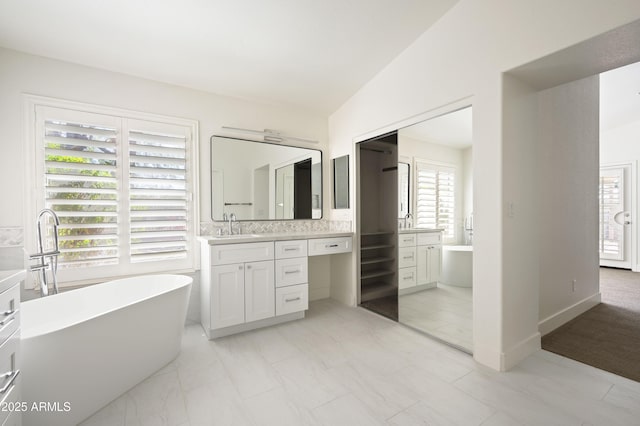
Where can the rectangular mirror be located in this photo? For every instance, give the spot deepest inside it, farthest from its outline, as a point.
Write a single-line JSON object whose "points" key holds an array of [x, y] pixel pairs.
{"points": [[264, 181], [404, 190], [341, 182]]}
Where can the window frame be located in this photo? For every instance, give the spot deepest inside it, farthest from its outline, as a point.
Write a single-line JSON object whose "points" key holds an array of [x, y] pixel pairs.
{"points": [[438, 166], [35, 166]]}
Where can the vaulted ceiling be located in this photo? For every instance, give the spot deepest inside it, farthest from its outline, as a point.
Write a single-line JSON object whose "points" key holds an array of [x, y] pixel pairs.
{"points": [[311, 54]]}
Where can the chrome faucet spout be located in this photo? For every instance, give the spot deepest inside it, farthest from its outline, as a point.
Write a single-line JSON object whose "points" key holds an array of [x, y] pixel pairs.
{"points": [[47, 259], [232, 218], [407, 216]]}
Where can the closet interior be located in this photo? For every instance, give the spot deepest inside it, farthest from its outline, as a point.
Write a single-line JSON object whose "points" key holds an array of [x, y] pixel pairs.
{"points": [[378, 198]]}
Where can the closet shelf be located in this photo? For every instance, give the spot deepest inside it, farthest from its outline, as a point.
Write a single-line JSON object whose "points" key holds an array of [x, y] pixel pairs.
{"points": [[371, 234], [377, 246], [376, 273], [376, 260]]}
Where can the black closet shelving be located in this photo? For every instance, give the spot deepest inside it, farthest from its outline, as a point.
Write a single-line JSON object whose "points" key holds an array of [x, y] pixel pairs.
{"points": [[378, 225]]}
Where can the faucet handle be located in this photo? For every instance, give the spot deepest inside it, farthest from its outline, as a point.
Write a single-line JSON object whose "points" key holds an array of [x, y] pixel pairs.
{"points": [[224, 216]]}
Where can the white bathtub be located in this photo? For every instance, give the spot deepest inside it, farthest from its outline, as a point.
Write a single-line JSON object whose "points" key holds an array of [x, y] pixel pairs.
{"points": [[457, 266], [88, 346]]}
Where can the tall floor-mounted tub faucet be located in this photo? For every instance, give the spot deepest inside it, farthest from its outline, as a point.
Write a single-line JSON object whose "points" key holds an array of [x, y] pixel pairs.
{"points": [[46, 260]]}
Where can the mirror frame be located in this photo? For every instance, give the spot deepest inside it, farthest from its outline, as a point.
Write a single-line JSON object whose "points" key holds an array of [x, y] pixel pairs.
{"points": [[268, 143]]}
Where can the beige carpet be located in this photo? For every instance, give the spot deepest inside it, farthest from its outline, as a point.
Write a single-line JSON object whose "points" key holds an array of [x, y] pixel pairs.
{"points": [[608, 335]]}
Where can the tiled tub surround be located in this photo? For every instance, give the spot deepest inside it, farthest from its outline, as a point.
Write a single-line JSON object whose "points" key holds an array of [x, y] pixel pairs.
{"points": [[11, 236]]}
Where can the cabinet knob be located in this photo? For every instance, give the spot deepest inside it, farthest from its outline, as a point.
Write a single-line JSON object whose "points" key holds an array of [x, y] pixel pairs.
{"points": [[240, 267], [248, 266]]}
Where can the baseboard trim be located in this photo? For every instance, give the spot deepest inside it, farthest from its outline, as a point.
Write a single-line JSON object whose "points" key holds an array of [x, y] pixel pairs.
{"points": [[520, 351], [554, 321]]}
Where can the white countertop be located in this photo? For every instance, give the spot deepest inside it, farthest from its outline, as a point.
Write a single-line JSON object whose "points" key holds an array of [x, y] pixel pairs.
{"points": [[9, 277], [254, 238], [417, 230]]}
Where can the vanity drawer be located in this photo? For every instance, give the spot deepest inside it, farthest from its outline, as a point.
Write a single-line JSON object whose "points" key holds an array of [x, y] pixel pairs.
{"points": [[429, 238], [292, 271], [289, 249], [406, 240], [9, 312], [407, 278], [291, 299], [406, 257], [320, 246], [225, 254]]}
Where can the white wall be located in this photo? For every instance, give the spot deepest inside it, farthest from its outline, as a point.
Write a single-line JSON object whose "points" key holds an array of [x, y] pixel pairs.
{"points": [[22, 73], [568, 172], [462, 57]]}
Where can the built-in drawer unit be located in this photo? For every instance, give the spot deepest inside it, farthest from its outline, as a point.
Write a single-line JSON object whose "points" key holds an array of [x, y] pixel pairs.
{"points": [[237, 253], [289, 249], [407, 278], [9, 312], [429, 238], [292, 271], [406, 240], [322, 246], [406, 257], [291, 299]]}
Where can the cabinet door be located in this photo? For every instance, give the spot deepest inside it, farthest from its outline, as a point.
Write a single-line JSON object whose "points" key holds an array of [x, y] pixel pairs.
{"points": [[259, 289], [435, 263], [422, 272], [227, 295]]}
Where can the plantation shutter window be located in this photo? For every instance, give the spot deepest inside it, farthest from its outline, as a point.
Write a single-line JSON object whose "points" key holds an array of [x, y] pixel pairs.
{"points": [[435, 198], [122, 188], [81, 186], [157, 193]]}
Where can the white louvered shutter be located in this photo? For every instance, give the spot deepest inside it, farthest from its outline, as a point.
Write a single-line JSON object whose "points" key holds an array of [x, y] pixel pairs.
{"points": [[435, 198], [122, 188], [81, 186], [158, 197]]}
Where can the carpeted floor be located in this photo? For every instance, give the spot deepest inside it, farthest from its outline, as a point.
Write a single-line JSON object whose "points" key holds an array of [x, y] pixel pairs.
{"points": [[608, 335]]}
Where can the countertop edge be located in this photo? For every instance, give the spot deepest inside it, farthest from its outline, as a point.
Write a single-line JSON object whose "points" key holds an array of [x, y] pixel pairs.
{"points": [[214, 240]]}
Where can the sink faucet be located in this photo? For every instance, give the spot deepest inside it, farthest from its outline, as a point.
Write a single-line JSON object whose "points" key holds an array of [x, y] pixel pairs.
{"points": [[232, 218], [407, 216]]}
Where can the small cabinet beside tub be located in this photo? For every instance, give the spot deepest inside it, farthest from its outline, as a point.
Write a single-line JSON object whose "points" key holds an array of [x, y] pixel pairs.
{"points": [[10, 380], [256, 284]]}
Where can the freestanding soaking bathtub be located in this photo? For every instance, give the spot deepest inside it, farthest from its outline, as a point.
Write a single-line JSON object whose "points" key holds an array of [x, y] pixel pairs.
{"points": [[83, 348], [457, 266]]}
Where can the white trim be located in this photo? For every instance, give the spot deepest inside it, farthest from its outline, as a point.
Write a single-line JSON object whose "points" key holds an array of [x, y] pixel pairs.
{"points": [[520, 351], [554, 321], [33, 169]]}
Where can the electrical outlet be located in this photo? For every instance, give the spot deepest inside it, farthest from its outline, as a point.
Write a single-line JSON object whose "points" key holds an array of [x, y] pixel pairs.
{"points": [[573, 286]]}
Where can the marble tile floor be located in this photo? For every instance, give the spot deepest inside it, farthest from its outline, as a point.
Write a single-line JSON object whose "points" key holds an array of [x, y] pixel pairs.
{"points": [[445, 312], [348, 366]]}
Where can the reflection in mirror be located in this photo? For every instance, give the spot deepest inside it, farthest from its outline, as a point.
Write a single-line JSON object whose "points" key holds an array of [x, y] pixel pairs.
{"points": [[439, 301], [404, 185], [264, 181], [341, 182]]}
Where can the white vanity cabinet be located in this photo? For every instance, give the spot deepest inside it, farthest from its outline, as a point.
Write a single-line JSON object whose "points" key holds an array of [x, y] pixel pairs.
{"points": [[247, 285], [420, 260], [239, 284]]}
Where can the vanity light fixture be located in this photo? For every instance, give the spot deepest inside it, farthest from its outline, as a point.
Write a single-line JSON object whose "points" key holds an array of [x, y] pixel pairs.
{"points": [[269, 135]]}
